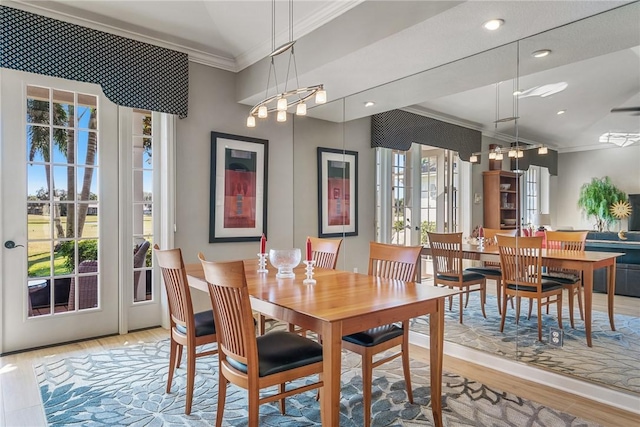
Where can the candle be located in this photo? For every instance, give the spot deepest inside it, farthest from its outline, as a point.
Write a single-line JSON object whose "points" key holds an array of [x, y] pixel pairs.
{"points": [[263, 244], [309, 258], [481, 232]]}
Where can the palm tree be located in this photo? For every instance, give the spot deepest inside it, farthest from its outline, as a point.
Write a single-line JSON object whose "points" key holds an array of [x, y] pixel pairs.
{"points": [[92, 146], [38, 112]]}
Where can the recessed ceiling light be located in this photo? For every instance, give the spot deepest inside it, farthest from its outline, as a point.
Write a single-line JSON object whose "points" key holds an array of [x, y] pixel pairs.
{"points": [[369, 104], [541, 53], [561, 112], [493, 24]]}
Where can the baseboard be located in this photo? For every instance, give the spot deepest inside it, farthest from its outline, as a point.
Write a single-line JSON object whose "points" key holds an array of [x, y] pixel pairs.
{"points": [[602, 394]]}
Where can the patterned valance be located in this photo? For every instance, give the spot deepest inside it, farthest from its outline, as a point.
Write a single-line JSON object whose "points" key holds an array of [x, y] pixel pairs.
{"points": [[131, 73], [398, 129]]}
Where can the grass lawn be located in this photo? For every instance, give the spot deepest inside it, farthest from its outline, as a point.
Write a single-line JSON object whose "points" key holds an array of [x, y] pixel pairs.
{"points": [[39, 246]]}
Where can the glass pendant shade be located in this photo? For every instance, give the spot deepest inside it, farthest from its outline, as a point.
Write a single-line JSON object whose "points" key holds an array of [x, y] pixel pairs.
{"points": [[492, 156], [301, 109], [499, 156], [473, 158], [282, 115], [251, 122], [262, 112], [542, 150], [282, 105], [520, 154], [512, 153], [321, 96]]}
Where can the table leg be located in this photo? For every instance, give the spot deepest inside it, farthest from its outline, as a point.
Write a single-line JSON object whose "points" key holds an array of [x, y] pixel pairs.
{"points": [[331, 359], [436, 343], [611, 291], [587, 275]]}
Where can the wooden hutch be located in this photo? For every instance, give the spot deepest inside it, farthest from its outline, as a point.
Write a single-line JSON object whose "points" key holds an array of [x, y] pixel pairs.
{"points": [[501, 199]]}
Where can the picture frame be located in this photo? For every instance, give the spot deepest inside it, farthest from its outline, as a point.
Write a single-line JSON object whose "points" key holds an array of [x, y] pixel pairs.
{"points": [[337, 192], [238, 188]]}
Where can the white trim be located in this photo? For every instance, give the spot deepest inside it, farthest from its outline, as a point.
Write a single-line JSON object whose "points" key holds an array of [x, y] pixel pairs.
{"points": [[124, 226], [598, 393]]}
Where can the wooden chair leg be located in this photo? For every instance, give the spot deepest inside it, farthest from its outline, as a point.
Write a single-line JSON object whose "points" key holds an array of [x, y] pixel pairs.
{"points": [[560, 310], [367, 374], [570, 295], [254, 407], [518, 301], [191, 376], [261, 325], [580, 305], [461, 298], [531, 308], [483, 298], [499, 295], [466, 300], [172, 363], [540, 319], [222, 396], [179, 356], [281, 389], [504, 312], [405, 361]]}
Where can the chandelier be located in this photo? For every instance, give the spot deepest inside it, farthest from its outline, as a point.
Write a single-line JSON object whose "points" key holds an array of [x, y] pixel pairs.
{"points": [[281, 102]]}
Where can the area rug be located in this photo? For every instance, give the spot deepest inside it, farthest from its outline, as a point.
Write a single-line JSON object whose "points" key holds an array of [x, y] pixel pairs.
{"points": [[126, 386], [614, 359]]}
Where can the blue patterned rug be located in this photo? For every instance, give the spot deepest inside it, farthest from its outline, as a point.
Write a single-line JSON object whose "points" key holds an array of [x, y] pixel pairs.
{"points": [[614, 359], [127, 387]]}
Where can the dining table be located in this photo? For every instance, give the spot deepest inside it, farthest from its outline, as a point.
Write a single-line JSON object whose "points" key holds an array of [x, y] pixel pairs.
{"points": [[342, 303], [585, 261]]}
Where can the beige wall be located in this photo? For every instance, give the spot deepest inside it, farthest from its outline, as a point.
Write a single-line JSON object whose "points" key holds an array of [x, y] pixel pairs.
{"points": [[622, 165], [292, 164]]}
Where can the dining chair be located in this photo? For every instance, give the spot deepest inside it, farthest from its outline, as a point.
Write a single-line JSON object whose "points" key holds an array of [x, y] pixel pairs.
{"points": [[570, 279], [521, 263], [491, 269], [274, 358], [446, 253], [325, 253], [391, 262], [187, 329]]}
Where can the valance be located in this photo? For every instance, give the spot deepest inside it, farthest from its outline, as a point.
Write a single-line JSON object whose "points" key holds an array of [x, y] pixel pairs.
{"points": [[397, 129], [131, 73]]}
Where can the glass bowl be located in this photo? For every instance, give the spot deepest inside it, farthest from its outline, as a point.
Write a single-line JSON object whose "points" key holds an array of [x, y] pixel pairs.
{"points": [[285, 260]]}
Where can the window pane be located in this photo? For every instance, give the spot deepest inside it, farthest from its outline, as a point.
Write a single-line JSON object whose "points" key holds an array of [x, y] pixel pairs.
{"points": [[38, 106], [64, 257], [39, 262], [38, 138], [39, 221], [142, 186], [62, 175], [88, 211], [38, 184], [63, 112], [87, 184]]}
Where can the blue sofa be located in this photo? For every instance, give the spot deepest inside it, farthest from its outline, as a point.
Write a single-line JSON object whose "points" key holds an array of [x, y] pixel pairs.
{"points": [[628, 265]]}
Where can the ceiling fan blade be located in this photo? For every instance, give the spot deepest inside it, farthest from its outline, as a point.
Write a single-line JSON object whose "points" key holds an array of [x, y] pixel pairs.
{"points": [[625, 110]]}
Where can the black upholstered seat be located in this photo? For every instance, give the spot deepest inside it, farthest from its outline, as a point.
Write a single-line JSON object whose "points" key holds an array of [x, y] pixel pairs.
{"points": [[204, 324], [547, 285], [564, 278], [485, 271], [374, 336], [466, 276], [281, 351]]}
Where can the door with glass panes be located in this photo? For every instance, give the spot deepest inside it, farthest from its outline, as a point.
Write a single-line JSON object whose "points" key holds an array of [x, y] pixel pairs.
{"points": [[59, 183]]}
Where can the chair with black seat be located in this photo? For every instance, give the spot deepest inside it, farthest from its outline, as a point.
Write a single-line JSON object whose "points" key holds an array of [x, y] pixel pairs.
{"points": [[187, 329], [569, 279], [521, 264], [446, 253], [392, 262], [491, 269], [254, 363]]}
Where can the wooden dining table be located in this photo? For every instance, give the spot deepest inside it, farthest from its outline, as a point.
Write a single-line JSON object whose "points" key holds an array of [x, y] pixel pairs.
{"points": [[342, 303], [585, 261]]}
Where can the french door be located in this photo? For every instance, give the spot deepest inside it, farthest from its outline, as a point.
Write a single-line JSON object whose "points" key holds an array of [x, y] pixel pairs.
{"points": [[60, 198]]}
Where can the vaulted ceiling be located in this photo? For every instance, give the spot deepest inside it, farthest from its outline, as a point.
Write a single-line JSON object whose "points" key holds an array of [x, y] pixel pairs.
{"points": [[432, 57]]}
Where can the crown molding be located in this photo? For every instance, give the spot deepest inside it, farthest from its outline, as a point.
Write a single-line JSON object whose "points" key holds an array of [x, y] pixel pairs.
{"points": [[301, 28], [195, 55]]}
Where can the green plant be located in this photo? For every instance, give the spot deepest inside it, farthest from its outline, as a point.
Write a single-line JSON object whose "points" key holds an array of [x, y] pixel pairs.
{"points": [[426, 227], [87, 250], [596, 198]]}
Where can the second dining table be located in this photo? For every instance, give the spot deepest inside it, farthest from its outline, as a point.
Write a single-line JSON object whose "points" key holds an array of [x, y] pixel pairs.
{"points": [[342, 303]]}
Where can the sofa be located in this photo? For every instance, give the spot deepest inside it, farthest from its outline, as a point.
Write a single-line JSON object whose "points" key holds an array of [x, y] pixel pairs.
{"points": [[628, 265]]}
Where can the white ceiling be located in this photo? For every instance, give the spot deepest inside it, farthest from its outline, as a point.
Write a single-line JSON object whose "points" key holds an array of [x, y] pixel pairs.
{"points": [[378, 50]]}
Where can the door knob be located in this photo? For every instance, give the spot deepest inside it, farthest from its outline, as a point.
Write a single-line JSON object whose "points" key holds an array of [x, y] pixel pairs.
{"points": [[10, 244]]}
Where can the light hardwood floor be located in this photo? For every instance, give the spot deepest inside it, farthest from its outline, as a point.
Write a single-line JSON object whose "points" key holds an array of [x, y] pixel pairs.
{"points": [[20, 403]]}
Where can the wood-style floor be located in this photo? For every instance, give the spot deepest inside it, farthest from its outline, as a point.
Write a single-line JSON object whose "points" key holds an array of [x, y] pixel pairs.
{"points": [[20, 403]]}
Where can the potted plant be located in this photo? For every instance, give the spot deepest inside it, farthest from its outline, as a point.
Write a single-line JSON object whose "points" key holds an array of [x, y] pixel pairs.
{"points": [[596, 198]]}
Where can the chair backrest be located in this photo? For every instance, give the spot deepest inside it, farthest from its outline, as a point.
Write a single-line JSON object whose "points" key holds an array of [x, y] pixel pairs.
{"points": [[566, 240], [446, 253], [490, 234], [175, 281], [521, 260], [87, 286], [325, 252], [232, 309], [393, 261]]}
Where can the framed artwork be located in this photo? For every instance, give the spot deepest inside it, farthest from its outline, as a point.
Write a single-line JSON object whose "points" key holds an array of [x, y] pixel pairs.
{"points": [[337, 192], [238, 190]]}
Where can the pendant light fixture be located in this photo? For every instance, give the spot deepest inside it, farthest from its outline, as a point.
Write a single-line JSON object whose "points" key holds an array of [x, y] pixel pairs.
{"points": [[283, 101]]}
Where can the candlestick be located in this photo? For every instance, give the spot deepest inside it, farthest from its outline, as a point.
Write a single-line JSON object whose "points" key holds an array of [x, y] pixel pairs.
{"points": [[309, 271], [309, 254], [263, 244], [262, 263]]}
